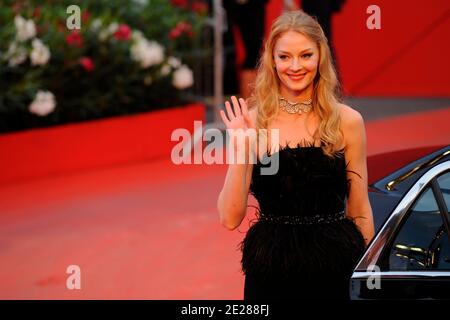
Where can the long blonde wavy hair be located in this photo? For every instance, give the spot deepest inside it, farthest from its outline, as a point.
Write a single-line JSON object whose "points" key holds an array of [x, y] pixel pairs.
{"points": [[326, 90]]}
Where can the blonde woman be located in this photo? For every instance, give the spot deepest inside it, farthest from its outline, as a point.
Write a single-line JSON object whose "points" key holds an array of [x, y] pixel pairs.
{"points": [[314, 217]]}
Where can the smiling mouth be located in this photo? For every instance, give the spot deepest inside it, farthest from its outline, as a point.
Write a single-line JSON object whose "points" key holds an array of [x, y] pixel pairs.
{"points": [[296, 76]]}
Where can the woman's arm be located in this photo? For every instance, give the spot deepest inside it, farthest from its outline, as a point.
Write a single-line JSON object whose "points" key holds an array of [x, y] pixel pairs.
{"points": [[358, 205], [232, 201]]}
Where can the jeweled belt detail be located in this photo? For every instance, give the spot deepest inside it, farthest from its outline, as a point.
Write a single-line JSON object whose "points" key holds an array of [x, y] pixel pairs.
{"points": [[304, 220]]}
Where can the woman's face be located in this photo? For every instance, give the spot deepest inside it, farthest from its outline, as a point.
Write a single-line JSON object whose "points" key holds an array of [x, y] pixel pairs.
{"points": [[296, 61]]}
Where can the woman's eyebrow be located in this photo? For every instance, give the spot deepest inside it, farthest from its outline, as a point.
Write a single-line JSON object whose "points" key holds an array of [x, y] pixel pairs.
{"points": [[282, 51]]}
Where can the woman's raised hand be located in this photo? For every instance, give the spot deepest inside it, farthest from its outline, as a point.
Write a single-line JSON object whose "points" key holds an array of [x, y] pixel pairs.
{"points": [[238, 121], [240, 118]]}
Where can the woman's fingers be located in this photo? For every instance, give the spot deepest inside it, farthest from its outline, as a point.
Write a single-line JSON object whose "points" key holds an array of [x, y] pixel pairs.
{"points": [[230, 113], [237, 108], [224, 118], [238, 114]]}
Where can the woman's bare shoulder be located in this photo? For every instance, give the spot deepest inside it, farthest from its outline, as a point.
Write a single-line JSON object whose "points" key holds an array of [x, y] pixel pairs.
{"points": [[349, 116], [352, 124]]}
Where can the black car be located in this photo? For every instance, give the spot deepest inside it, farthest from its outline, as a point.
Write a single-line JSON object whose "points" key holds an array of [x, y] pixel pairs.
{"points": [[409, 257]]}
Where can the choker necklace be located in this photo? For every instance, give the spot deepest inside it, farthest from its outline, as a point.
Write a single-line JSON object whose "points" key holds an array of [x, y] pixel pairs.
{"points": [[295, 107]]}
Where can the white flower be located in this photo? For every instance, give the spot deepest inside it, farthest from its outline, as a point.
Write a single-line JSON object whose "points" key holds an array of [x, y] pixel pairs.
{"points": [[40, 53], [17, 59], [165, 70], [183, 78], [142, 3], [96, 25], [137, 35], [25, 29], [174, 62], [113, 27], [147, 53], [105, 33], [43, 103], [16, 54]]}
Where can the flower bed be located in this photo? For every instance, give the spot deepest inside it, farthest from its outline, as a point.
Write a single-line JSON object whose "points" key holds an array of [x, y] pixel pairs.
{"points": [[126, 57]]}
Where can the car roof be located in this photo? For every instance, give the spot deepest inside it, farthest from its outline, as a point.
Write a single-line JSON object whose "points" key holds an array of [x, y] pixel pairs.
{"points": [[399, 170], [392, 174], [380, 166]]}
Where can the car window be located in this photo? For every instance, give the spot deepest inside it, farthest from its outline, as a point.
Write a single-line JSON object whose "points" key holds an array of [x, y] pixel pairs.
{"points": [[422, 242], [444, 184]]}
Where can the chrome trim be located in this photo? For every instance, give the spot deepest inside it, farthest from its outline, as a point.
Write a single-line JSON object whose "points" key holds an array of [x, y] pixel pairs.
{"points": [[372, 254], [391, 185], [401, 274]]}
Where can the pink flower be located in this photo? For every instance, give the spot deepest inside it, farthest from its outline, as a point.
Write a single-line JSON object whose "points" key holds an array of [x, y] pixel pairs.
{"points": [[85, 15], [123, 32], [181, 28], [200, 7], [87, 63], [74, 39], [174, 33], [179, 3]]}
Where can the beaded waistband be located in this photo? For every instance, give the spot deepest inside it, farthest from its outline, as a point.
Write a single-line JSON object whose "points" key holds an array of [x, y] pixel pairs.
{"points": [[304, 220]]}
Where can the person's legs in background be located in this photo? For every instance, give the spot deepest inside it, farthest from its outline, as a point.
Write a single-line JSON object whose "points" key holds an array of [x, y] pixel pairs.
{"points": [[251, 23], [249, 18]]}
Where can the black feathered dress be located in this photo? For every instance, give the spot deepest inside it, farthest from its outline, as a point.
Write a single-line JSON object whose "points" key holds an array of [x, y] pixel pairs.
{"points": [[302, 245]]}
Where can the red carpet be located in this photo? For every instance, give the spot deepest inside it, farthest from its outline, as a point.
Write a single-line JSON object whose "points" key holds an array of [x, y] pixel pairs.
{"points": [[143, 231]]}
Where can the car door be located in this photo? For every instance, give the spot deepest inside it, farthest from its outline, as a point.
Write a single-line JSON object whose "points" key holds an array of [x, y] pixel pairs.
{"points": [[410, 257]]}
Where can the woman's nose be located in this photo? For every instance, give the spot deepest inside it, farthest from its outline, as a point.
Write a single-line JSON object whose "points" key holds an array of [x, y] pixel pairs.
{"points": [[296, 65]]}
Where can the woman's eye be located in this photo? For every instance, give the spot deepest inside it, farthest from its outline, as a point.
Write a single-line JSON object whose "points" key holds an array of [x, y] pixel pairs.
{"points": [[307, 55], [282, 57]]}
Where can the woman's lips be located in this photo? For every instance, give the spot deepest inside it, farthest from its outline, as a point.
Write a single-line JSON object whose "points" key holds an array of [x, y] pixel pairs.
{"points": [[296, 77]]}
